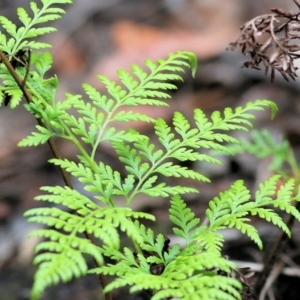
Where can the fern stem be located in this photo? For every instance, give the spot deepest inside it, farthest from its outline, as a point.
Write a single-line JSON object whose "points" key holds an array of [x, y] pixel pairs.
{"points": [[102, 129], [151, 170]]}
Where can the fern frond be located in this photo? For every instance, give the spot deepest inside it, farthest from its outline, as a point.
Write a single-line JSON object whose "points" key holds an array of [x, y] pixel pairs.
{"points": [[184, 276], [143, 161], [237, 119], [232, 206], [93, 218], [66, 248], [19, 36], [148, 89]]}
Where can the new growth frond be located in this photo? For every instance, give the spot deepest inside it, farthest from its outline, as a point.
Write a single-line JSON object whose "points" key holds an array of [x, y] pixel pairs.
{"points": [[233, 208]]}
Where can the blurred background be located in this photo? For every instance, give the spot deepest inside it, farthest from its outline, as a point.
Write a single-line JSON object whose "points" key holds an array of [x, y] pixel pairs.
{"points": [[99, 37]]}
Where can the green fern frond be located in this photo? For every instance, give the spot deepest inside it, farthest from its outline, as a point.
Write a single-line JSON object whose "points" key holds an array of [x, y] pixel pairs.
{"points": [[91, 218], [237, 119], [19, 36], [232, 206], [94, 126], [66, 248], [148, 89], [143, 161], [64, 262]]}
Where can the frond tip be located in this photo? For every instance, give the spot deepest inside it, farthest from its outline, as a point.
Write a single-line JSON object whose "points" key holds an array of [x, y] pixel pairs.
{"points": [[144, 87], [20, 37]]}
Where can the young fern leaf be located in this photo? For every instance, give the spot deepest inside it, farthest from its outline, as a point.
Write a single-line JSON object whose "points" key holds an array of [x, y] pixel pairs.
{"points": [[232, 206], [20, 37]]}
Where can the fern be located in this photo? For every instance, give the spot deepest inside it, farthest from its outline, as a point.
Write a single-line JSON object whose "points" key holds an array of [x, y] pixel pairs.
{"points": [[231, 207], [144, 162], [68, 246], [19, 38], [17, 41], [195, 271]]}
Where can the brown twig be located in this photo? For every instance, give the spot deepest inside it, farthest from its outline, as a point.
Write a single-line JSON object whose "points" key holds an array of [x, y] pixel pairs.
{"points": [[53, 147], [267, 40]]}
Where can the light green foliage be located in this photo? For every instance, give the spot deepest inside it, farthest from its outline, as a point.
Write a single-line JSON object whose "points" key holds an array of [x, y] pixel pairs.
{"points": [[189, 273], [263, 144], [66, 246], [189, 270], [20, 37], [14, 40]]}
